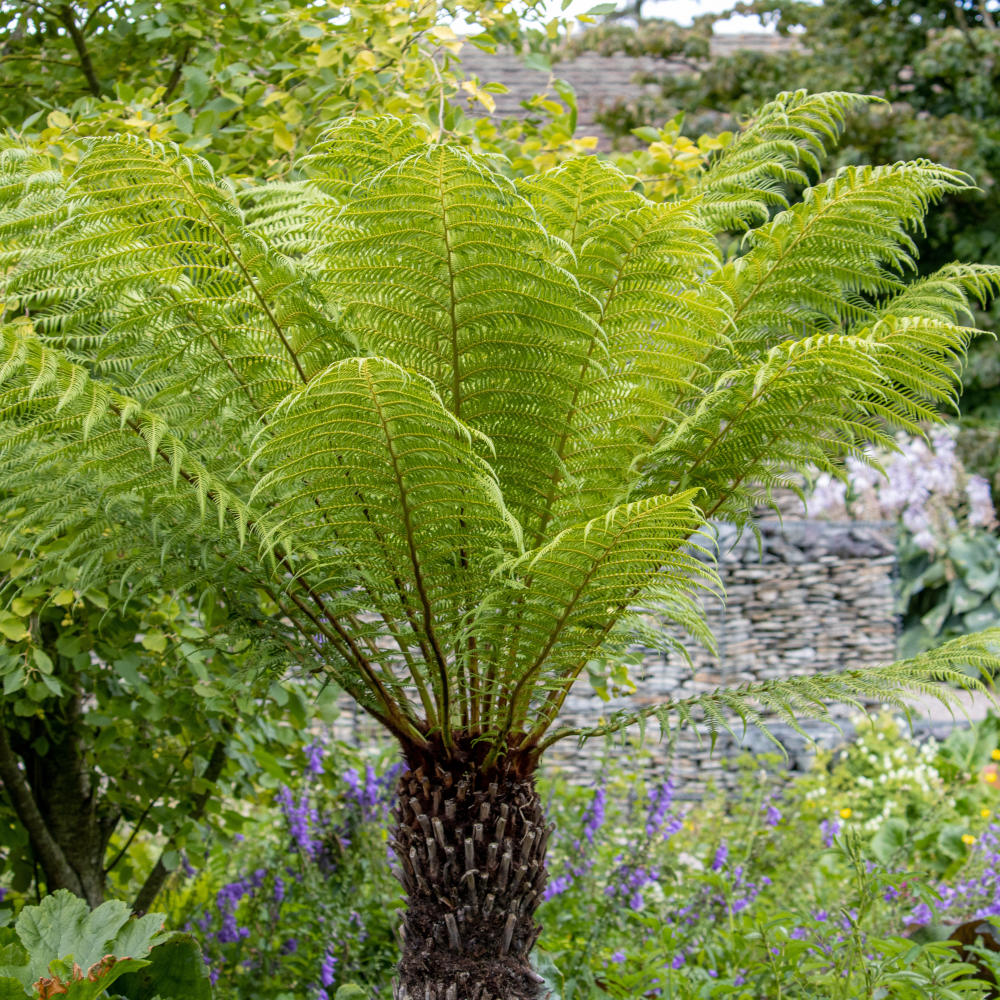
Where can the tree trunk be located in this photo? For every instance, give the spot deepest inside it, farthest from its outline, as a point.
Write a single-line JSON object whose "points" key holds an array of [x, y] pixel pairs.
{"points": [[471, 851], [59, 806]]}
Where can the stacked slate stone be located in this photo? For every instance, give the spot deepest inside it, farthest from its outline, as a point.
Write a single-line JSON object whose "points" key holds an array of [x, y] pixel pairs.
{"points": [[811, 597]]}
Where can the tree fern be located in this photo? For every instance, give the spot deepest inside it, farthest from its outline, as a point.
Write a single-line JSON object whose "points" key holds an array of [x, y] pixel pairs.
{"points": [[458, 435]]}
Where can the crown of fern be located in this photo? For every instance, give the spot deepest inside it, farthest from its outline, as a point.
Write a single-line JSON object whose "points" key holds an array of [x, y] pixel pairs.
{"points": [[456, 434]]}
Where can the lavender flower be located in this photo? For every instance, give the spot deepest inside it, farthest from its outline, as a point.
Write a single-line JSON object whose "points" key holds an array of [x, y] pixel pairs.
{"points": [[314, 758], [326, 969], [721, 854], [279, 889], [773, 817], [677, 961], [290, 947], [618, 957]]}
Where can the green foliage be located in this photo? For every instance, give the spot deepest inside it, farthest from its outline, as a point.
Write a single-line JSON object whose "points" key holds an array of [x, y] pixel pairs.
{"points": [[309, 887], [462, 430], [176, 971], [164, 686], [250, 84], [65, 948], [748, 894]]}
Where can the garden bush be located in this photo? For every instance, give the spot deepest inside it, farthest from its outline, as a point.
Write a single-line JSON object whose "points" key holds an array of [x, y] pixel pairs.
{"points": [[839, 882]]}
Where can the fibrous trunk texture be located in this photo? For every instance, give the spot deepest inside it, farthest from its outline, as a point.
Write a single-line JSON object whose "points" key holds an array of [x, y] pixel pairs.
{"points": [[471, 857]]}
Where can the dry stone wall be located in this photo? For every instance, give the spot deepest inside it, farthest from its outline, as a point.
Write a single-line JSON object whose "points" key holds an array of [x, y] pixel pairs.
{"points": [[813, 597]]}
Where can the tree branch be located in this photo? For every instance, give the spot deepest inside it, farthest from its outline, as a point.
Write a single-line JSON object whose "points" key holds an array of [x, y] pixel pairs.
{"points": [[175, 76], [86, 66], [154, 883], [47, 849], [145, 813]]}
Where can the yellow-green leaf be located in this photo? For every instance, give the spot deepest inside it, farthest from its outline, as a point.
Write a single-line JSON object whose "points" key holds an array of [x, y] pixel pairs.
{"points": [[59, 119], [283, 138], [328, 56], [13, 629], [64, 597], [22, 607], [155, 641]]}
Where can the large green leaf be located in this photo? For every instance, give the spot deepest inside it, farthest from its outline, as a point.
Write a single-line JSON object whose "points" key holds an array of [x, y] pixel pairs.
{"points": [[890, 838], [11, 989], [64, 925], [176, 971]]}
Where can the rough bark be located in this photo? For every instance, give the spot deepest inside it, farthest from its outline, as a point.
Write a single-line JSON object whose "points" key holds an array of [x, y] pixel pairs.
{"points": [[471, 858], [59, 874]]}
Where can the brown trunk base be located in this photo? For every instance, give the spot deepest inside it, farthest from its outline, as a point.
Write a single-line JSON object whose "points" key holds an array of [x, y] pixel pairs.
{"points": [[471, 850]]}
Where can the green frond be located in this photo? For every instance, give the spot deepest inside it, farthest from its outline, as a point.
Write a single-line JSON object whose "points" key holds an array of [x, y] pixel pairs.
{"points": [[806, 269], [453, 435], [785, 138], [938, 674]]}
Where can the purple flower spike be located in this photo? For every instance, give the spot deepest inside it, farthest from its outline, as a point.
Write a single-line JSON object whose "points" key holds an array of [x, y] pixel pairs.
{"points": [[314, 758], [720, 857], [594, 817], [326, 968]]}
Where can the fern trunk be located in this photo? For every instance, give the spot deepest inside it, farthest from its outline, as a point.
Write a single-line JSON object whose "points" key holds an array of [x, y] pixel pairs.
{"points": [[471, 856]]}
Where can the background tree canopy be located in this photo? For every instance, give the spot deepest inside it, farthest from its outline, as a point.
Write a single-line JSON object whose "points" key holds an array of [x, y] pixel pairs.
{"points": [[937, 66]]}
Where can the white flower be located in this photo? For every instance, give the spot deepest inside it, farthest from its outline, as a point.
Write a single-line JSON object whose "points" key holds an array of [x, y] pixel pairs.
{"points": [[828, 494], [981, 510]]}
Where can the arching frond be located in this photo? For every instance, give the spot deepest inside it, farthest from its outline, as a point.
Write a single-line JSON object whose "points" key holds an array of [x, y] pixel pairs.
{"points": [[785, 139], [455, 435], [809, 268]]}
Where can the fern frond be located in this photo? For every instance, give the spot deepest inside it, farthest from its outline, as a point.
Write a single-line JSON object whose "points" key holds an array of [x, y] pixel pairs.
{"points": [[935, 674], [785, 138]]}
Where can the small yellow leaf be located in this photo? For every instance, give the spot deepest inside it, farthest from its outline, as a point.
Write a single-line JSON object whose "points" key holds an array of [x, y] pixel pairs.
{"points": [[365, 60], [283, 138], [22, 607], [64, 597], [328, 56], [154, 641], [59, 119], [443, 33], [275, 95]]}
